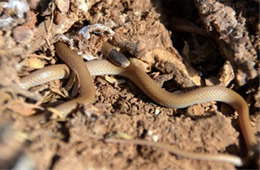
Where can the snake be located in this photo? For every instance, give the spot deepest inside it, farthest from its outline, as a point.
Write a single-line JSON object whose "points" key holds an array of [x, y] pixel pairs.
{"points": [[84, 70]]}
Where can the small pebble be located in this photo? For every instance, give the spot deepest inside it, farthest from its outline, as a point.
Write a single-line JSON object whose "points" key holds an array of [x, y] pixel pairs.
{"points": [[157, 111], [63, 5], [23, 34]]}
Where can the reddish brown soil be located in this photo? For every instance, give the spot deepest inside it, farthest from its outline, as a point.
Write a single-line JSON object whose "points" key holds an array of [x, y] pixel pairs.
{"points": [[180, 59]]}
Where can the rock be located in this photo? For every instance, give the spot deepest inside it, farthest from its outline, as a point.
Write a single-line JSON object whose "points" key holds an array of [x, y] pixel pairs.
{"points": [[23, 34]]}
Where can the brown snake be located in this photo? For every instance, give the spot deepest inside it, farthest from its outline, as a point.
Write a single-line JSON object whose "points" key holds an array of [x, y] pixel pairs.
{"points": [[142, 80]]}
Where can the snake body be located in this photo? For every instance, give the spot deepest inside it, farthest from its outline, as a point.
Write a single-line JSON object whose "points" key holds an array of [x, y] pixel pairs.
{"points": [[142, 80]]}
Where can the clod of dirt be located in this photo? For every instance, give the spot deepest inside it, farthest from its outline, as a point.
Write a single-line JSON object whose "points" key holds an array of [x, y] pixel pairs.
{"points": [[234, 43], [63, 5], [23, 34]]}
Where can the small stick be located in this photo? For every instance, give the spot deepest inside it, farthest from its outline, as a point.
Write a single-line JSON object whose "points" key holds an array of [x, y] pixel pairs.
{"points": [[235, 160]]}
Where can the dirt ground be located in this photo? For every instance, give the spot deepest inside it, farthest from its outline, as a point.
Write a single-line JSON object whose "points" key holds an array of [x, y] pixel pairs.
{"points": [[183, 44]]}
